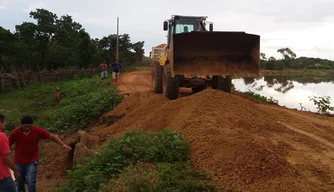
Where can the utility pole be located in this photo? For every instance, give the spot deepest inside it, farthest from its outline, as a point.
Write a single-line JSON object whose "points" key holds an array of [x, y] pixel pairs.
{"points": [[117, 39]]}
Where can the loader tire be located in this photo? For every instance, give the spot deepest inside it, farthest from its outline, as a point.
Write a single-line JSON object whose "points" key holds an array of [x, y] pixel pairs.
{"points": [[157, 78], [197, 89], [171, 84], [215, 82], [220, 83], [225, 84]]}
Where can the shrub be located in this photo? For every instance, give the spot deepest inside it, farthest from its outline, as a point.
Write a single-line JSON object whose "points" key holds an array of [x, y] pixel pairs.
{"points": [[165, 151], [86, 99], [261, 98], [323, 104]]}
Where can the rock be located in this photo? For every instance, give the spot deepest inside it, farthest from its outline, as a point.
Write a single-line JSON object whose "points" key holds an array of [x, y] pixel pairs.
{"points": [[81, 151], [89, 140], [85, 147]]}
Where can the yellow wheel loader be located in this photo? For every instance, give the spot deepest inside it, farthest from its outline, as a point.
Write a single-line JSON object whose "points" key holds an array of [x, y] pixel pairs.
{"points": [[197, 57]]}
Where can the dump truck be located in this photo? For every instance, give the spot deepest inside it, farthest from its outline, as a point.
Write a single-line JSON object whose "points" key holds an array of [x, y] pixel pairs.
{"points": [[156, 51], [197, 57]]}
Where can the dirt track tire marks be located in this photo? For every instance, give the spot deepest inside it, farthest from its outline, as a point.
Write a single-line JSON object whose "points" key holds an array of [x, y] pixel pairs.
{"points": [[135, 82], [312, 136]]}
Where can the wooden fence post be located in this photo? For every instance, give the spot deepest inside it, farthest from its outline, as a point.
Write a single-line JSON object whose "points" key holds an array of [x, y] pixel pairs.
{"points": [[1, 84], [59, 76], [29, 80], [20, 79], [14, 83], [40, 76]]}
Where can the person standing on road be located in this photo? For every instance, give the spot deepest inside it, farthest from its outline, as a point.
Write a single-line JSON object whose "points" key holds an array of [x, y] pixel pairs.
{"points": [[6, 162], [104, 67], [26, 139], [116, 67]]}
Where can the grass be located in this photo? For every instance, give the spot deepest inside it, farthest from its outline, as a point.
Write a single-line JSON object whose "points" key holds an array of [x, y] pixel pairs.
{"points": [[303, 72], [261, 98], [138, 161], [86, 100]]}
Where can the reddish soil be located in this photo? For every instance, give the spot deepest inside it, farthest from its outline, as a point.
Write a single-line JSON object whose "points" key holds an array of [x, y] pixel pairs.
{"points": [[248, 145], [135, 82], [53, 163]]}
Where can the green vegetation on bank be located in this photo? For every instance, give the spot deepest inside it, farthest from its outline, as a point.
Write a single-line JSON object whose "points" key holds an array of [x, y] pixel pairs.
{"points": [[261, 98], [86, 100], [289, 60], [303, 72], [323, 104], [139, 161]]}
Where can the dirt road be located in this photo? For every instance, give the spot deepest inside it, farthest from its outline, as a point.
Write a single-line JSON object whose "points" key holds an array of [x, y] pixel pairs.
{"points": [[140, 82], [135, 82]]}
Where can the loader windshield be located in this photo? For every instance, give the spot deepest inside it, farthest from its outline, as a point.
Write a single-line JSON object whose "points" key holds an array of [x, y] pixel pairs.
{"points": [[183, 28], [183, 25]]}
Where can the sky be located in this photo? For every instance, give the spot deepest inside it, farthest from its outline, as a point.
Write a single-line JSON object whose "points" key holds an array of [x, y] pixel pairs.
{"points": [[305, 26]]}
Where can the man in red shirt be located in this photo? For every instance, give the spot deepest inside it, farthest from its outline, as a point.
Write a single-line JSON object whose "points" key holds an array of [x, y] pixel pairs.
{"points": [[26, 139], [6, 182]]}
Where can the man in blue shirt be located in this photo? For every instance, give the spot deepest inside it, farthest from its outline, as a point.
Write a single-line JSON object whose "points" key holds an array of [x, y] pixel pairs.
{"points": [[116, 67]]}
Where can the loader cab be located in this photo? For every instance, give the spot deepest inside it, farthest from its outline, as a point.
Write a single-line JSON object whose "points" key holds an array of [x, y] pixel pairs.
{"points": [[178, 24]]}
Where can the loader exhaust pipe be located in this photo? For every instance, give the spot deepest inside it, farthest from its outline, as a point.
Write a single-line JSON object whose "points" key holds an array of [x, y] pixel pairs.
{"points": [[204, 54]]}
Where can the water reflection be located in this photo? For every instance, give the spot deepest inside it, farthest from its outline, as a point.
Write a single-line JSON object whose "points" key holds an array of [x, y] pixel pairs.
{"points": [[292, 92]]}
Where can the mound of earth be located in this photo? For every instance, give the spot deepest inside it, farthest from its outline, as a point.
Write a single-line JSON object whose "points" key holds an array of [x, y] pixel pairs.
{"points": [[55, 161], [248, 146]]}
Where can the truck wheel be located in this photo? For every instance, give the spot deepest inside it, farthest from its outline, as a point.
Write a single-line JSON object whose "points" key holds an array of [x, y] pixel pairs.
{"points": [[157, 75], [171, 84], [225, 84]]}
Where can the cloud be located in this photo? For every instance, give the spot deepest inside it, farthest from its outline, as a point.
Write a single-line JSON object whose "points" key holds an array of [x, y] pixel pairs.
{"points": [[34, 6], [288, 11], [304, 26], [3, 4]]}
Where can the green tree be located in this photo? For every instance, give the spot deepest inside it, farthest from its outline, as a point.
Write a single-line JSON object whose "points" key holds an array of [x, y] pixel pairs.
{"points": [[46, 28], [53, 42], [263, 56], [287, 53], [6, 41], [132, 52], [139, 51], [27, 45]]}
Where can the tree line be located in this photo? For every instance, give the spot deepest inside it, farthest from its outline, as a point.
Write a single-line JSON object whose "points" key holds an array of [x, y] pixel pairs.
{"points": [[60, 42], [289, 60]]}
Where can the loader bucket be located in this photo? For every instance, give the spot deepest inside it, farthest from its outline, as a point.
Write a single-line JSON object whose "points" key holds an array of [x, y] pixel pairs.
{"points": [[204, 54]]}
